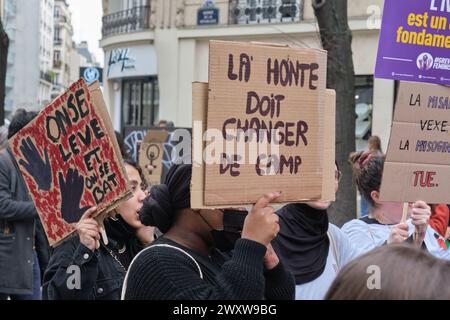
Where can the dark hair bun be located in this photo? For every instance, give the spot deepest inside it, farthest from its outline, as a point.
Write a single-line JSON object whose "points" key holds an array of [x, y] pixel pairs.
{"points": [[166, 199], [157, 210]]}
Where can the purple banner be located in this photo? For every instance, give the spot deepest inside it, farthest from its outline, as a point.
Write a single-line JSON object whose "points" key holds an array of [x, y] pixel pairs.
{"points": [[415, 41]]}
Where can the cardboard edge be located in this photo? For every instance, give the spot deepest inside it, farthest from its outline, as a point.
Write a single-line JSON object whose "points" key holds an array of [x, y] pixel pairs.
{"points": [[264, 44], [99, 102], [328, 188]]}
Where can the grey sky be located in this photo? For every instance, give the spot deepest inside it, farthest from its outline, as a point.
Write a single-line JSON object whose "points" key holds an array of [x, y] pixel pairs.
{"points": [[87, 24]]}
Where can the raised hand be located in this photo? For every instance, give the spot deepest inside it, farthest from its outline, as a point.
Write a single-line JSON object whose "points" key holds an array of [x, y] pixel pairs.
{"points": [[41, 171], [261, 224], [71, 192], [420, 217]]}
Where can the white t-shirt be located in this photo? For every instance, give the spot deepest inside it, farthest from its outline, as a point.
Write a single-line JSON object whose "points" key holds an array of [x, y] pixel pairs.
{"points": [[345, 252], [369, 236]]}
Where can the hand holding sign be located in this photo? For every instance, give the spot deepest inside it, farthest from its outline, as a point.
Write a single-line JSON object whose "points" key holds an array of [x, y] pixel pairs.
{"points": [[41, 171], [71, 192], [89, 230], [398, 234], [420, 217], [261, 224]]}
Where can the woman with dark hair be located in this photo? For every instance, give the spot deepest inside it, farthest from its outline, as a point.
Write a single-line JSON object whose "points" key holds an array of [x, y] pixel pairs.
{"points": [[185, 263], [313, 249], [383, 224], [121, 145], [393, 272], [101, 266]]}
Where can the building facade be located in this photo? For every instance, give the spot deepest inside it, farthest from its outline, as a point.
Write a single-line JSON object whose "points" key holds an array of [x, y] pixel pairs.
{"points": [[8, 18], [46, 28], [63, 47], [86, 55], [155, 49], [76, 60], [29, 25], [2, 10]]}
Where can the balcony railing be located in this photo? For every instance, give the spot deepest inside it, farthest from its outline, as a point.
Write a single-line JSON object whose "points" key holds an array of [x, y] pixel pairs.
{"points": [[57, 64], [265, 11], [61, 18], [57, 87], [135, 19], [46, 76], [9, 81]]}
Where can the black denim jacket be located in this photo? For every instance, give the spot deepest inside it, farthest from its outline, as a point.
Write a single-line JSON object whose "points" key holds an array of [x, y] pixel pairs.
{"points": [[77, 273]]}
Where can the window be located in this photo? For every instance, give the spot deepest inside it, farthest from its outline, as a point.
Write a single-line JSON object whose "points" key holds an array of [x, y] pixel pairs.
{"points": [[140, 102], [364, 108], [265, 11], [289, 9], [56, 58], [56, 34], [129, 4], [269, 9]]}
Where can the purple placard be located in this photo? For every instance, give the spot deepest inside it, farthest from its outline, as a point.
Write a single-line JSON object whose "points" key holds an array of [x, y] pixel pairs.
{"points": [[415, 41]]}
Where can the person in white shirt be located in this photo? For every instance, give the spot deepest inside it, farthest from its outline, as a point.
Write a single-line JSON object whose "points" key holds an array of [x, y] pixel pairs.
{"points": [[383, 224], [311, 248]]}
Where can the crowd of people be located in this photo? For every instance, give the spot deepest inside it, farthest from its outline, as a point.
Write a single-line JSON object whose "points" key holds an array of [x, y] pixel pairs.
{"points": [[158, 247]]}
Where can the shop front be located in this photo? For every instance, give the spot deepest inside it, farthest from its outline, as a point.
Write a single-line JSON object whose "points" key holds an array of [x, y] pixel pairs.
{"points": [[132, 73]]}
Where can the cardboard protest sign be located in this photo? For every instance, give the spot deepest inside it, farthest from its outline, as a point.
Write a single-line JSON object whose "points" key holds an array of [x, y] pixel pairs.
{"points": [[177, 146], [132, 138], [414, 41], [199, 117], [69, 158], [417, 166], [151, 153], [276, 89]]}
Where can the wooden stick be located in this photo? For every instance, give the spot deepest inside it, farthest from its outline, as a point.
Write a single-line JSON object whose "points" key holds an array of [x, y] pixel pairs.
{"points": [[100, 219], [405, 211], [103, 233]]}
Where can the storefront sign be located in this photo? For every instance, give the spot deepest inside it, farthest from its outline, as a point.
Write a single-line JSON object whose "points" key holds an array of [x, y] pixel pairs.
{"points": [[131, 62]]}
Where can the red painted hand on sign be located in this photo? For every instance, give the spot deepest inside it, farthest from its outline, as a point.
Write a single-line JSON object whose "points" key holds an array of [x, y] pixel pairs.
{"points": [[41, 171], [71, 192]]}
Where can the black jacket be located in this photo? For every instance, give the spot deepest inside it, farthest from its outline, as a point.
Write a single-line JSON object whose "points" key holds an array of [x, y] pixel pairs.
{"points": [[164, 273], [98, 274], [101, 271], [20, 230]]}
